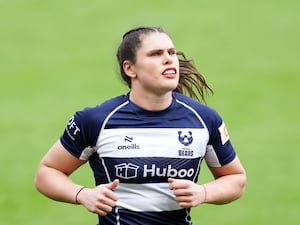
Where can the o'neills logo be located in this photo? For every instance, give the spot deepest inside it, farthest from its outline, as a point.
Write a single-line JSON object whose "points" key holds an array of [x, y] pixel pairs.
{"points": [[129, 147]]}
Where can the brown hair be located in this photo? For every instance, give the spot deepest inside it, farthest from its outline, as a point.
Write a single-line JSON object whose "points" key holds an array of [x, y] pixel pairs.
{"points": [[191, 82]]}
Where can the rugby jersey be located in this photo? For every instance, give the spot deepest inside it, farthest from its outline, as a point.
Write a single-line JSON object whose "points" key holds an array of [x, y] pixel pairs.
{"points": [[143, 149]]}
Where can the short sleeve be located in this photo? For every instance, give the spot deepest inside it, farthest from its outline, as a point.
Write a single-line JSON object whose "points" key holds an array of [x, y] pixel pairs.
{"points": [[219, 150], [81, 132]]}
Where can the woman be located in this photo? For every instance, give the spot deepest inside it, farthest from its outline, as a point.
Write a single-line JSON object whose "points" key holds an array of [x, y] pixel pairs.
{"points": [[145, 148]]}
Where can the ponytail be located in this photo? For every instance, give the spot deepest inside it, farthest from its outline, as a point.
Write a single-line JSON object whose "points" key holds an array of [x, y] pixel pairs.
{"points": [[191, 82]]}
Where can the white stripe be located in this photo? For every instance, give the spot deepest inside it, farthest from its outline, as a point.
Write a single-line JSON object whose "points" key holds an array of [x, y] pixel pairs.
{"points": [[197, 171], [106, 170], [187, 217], [86, 153], [110, 114], [150, 142], [117, 215], [211, 157], [153, 197]]}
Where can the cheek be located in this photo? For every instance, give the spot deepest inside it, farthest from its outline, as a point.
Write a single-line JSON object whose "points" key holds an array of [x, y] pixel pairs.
{"points": [[176, 63], [148, 69]]}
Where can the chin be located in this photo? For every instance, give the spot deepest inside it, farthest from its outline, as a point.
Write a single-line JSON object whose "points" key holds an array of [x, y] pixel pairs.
{"points": [[171, 88]]}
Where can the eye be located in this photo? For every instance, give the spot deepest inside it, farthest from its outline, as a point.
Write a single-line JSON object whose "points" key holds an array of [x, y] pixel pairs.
{"points": [[156, 53], [172, 51]]}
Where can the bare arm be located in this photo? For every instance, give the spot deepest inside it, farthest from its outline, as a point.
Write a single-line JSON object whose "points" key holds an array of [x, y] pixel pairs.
{"points": [[52, 179], [229, 184]]}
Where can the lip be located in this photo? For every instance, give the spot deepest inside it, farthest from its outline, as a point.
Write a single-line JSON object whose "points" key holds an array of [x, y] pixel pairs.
{"points": [[170, 74]]}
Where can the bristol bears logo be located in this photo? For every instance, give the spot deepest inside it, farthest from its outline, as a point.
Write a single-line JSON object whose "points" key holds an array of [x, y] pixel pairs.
{"points": [[185, 138]]}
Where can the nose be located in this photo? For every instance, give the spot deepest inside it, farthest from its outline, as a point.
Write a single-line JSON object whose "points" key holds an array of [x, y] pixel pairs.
{"points": [[167, 58]]}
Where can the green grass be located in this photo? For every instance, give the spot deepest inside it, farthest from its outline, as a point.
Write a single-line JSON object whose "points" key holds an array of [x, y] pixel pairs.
{"points": [[59, 56]]}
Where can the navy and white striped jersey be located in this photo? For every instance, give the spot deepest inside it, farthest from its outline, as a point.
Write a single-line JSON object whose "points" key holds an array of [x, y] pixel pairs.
{"points": [[143, 149]]}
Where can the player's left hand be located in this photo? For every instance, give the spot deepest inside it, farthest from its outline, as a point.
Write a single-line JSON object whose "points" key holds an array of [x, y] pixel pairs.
{"points": [[187, 193]]}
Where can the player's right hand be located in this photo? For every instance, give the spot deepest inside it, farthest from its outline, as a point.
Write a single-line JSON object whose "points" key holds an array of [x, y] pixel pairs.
{"points": [[99, 200]]}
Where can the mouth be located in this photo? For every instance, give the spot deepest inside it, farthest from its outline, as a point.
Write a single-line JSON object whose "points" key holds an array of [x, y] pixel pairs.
{"points": [[170, 72]]}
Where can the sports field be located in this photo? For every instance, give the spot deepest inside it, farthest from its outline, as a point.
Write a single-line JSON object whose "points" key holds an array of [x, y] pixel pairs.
{"points": [[58, 56]]}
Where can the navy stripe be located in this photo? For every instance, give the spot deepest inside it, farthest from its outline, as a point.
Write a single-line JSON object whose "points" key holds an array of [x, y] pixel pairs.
{"points": [[125, 217], [151, 169]]}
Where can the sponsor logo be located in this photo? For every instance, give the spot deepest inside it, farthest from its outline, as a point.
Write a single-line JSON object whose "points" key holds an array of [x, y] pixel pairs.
{"points": [[167, 172], [223, 133], [185, 138], [130, 171], [128, 139], [130, 146], [126, 171], [72, 128]]}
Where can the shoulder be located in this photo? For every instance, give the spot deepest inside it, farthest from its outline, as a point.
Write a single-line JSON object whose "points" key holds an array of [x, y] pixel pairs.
{"points": [[208, 115], [203, 110], [84, 126], [103, 109]]}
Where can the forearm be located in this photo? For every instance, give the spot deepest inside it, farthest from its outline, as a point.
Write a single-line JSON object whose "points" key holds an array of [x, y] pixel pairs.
{"points": [[225, 189], [55, 184]]}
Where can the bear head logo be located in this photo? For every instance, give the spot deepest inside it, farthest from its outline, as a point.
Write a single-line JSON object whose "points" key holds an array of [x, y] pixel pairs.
{"points": [[185, 138]]}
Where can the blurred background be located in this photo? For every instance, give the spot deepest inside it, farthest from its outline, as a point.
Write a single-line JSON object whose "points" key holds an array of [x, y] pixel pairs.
{"points": [[58, 56]]}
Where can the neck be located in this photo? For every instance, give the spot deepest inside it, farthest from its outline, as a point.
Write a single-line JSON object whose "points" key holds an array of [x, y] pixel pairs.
{"points": [[151, 102]]}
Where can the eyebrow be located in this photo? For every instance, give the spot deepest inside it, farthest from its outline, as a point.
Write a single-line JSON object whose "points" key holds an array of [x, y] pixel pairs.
{"points": [[161, 49]]}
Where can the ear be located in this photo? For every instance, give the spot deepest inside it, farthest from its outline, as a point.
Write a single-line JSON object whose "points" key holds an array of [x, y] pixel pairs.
{"points": [[128, 68]]}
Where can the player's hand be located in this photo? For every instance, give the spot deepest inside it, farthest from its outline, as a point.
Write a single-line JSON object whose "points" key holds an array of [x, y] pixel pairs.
{"points": [[187, 193], [99, 200]]}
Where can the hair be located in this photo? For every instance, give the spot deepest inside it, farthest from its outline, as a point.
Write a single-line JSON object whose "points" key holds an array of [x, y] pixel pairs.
{"points": [[191, 82]]}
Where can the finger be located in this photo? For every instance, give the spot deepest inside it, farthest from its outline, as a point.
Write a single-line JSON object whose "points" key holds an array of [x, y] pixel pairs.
{"points": [[185, 205], [184, 199], [179, 192], [102, 212], [177, 184], [112, 185], [171, 181], [104, 200], [109, 190], [182, 192], [105, 206], [100, 208]]}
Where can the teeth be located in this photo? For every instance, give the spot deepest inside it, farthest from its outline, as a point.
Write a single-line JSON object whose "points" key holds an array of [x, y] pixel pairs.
{"points": [[169, 72]]}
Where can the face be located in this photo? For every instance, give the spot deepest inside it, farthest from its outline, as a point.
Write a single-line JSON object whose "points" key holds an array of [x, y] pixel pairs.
{"points": [[156, 70]]}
